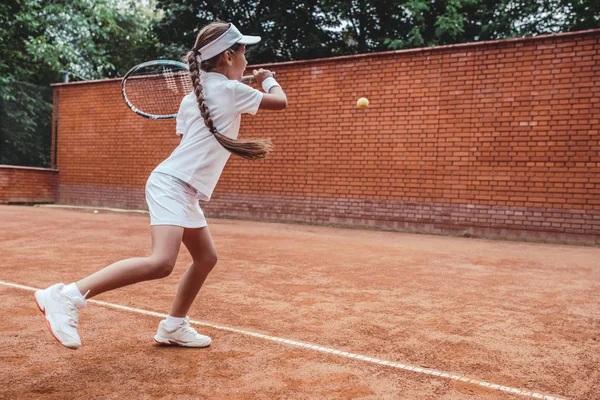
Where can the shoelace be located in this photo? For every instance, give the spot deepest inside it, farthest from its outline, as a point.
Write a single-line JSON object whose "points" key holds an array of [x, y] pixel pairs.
{"points": [[187, 328], [73, 314]]}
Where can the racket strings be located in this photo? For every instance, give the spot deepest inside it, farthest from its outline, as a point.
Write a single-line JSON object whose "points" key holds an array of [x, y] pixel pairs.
{"points": [[158, 91], [154, 89]]}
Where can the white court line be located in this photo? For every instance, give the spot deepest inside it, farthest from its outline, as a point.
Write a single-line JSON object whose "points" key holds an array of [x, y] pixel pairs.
{"points": [[122, 210], [393, 364]]}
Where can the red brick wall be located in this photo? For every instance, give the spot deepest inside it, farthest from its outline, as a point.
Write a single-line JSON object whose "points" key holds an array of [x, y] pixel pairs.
{"points": [[496, 138], [27, 185]]}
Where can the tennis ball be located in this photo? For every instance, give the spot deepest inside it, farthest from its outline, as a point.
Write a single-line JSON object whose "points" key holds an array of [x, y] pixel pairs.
{"points": [[95, 211], [363, 102]]}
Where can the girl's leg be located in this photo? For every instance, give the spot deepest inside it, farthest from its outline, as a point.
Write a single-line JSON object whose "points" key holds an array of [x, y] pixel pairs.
{"points": [[176, 330], [60, 304], [204, 257], [166, 241]]}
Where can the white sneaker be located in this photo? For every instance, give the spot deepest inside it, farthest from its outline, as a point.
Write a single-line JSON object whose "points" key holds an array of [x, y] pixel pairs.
{"points": [[61, 313], [183, 335]]}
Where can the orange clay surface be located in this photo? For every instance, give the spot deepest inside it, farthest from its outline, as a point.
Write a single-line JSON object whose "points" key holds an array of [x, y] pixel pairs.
{"points": [[523, 315]]}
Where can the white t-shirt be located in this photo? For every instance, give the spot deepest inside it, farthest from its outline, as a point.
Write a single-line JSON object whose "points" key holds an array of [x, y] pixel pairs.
{"points": [[199, 159]]}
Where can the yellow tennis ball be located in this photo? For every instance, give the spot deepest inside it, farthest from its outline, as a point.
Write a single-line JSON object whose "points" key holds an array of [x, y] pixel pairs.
{"points": [[95, 211], [363, 102]]}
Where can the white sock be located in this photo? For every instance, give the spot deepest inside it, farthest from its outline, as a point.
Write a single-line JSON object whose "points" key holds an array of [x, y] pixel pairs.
{"points": [[171, 322], [73, 292]]}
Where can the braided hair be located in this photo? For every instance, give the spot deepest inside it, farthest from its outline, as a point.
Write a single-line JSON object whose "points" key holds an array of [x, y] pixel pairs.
{"points": [[247, 148]]}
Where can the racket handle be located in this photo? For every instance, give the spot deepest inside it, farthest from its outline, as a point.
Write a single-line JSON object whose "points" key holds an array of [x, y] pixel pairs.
{"points": [[251, 79]]}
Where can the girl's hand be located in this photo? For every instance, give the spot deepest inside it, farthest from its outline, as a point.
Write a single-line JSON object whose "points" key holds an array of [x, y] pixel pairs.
{"points": [[261, 75]]}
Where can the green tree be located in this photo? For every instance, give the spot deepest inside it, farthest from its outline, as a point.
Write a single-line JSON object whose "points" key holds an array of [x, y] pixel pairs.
{"points": [[583, 14], [290, 30], [462, 21], [375, 25], [90, 38], [295, 29]]}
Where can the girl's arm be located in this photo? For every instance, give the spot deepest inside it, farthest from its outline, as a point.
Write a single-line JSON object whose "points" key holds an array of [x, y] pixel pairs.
{"points": [[276, 98]]}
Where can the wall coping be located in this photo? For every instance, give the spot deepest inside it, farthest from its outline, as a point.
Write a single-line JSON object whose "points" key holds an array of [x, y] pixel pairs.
{"points": [[433, 49], [29, 168]]}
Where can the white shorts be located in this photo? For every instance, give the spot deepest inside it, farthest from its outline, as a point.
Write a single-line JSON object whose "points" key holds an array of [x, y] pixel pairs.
{"points": [[172, 201]]}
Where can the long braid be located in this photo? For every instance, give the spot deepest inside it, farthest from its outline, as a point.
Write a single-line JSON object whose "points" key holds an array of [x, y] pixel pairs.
{"points": [[199, 91], [247, 148]]}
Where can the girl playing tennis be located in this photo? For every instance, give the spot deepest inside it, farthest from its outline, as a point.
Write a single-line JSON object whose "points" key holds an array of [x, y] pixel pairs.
{"points": [[208, 122]]}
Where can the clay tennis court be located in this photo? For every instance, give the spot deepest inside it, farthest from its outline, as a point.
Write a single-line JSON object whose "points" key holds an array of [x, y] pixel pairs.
{"points": [[298, 311]]}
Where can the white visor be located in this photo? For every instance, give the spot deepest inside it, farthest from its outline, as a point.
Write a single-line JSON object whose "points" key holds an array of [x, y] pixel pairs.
{"points": [[225, 41]]}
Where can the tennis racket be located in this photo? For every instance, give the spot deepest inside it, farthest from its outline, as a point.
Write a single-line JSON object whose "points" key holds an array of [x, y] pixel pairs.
{"points": [[154, 89]]}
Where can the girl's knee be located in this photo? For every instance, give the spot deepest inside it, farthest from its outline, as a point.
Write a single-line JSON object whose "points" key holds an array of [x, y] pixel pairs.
{"points": [[161, 268], [207, 261], [212, 259]]}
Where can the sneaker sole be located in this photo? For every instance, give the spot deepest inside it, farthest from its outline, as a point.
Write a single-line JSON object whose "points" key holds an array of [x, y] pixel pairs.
{"points": [[167, 342], [37, 302], [43, 311]]}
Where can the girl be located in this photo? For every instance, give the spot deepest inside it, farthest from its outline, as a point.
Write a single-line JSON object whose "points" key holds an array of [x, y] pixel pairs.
{"points": [[208, 122]]}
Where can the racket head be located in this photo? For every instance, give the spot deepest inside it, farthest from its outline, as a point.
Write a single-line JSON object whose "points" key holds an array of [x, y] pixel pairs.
{"points": [[154, 89]]}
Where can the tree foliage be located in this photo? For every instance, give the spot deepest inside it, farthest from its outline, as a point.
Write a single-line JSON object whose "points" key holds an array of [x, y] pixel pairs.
{"points": [[294, 30], [91, 39]]}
